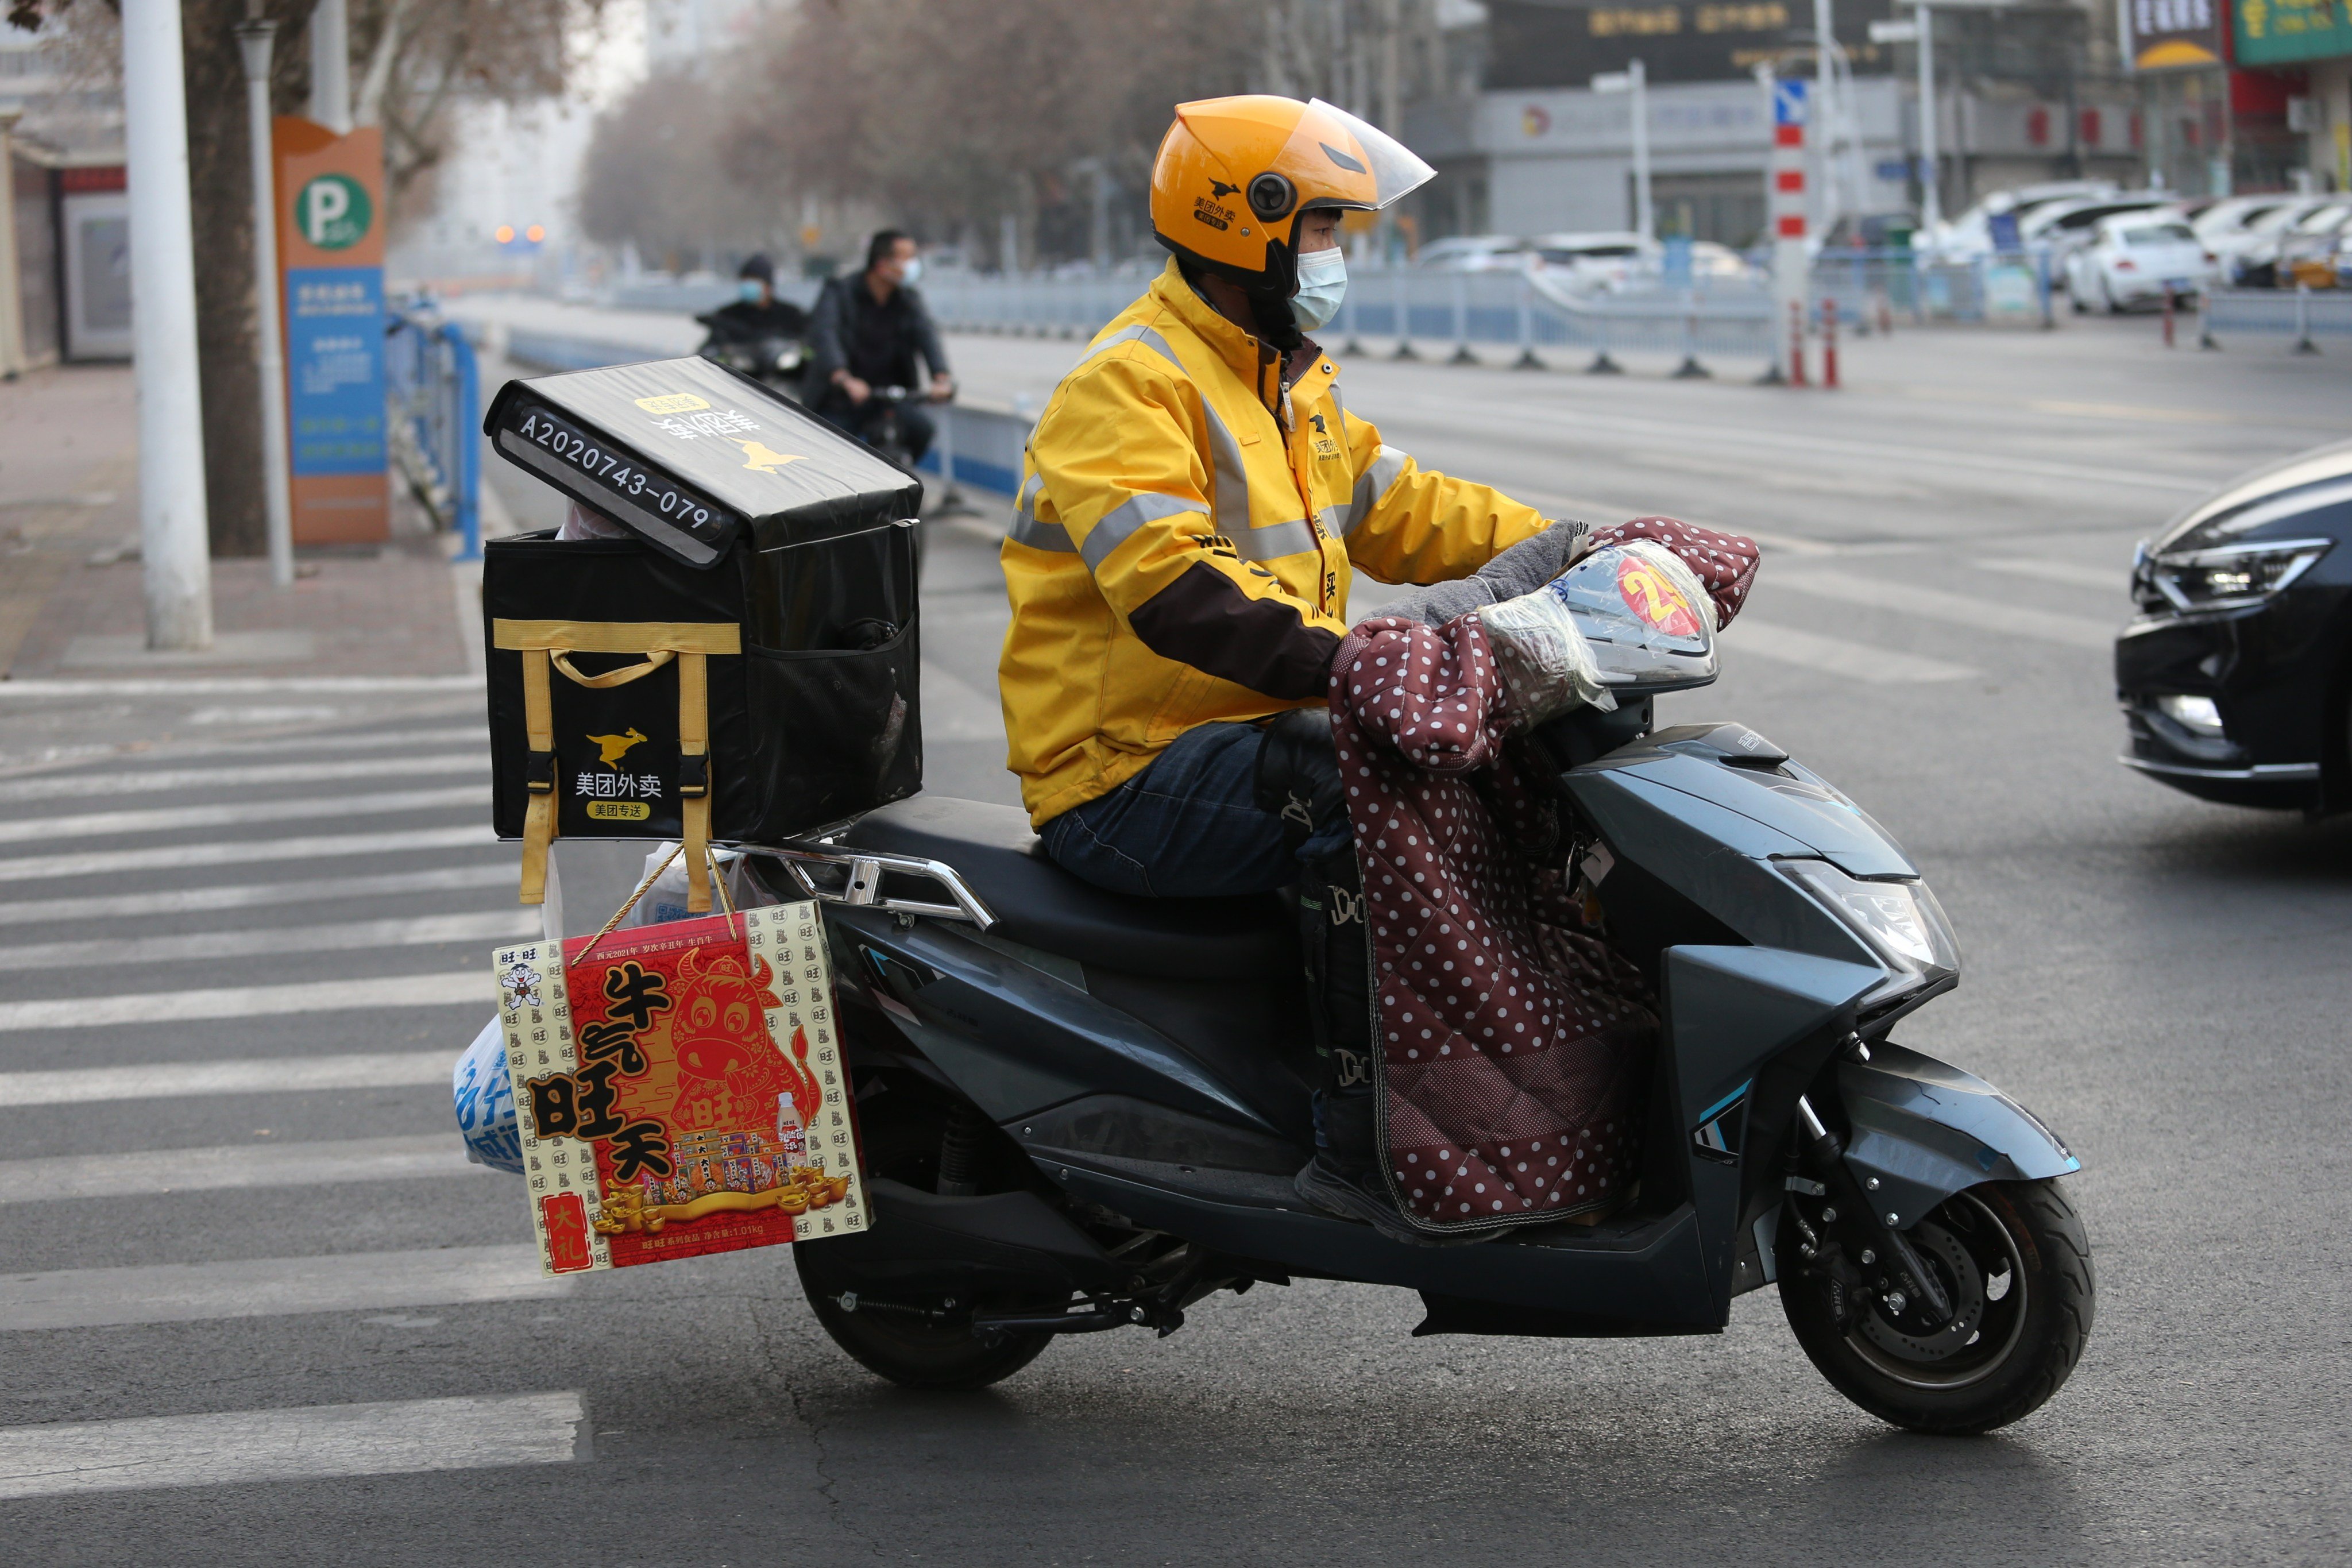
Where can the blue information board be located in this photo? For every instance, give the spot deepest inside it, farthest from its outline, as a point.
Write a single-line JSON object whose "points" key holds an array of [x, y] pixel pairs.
{"points": [[334, 369]]}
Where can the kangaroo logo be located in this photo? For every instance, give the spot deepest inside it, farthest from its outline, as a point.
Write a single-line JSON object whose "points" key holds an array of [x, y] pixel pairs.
{"points": [[1219, 190], [1317, 420], [757, 456], [613, 748]]}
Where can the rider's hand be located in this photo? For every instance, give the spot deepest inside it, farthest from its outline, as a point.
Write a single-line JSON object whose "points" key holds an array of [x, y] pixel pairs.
{"points": [[858, 391], [942, 388]]}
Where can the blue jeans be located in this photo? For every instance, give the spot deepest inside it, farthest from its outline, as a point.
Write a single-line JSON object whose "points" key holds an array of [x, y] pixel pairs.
{"points": [[1188, 826]]}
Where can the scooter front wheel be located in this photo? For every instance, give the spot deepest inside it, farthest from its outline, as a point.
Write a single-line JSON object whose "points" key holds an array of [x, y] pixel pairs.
{"points": [[2015, 1262]]}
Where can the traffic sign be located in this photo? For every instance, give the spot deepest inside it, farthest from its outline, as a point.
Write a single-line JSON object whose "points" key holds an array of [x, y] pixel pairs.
{"points": [[1788, 103]]}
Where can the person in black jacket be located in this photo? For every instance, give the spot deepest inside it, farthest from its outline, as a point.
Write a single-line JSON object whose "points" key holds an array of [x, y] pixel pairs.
{"points": [[868, 333], [755, 311]]}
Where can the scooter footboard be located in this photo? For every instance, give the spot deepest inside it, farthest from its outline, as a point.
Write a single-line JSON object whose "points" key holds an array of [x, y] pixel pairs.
{"points": [[1923, 1130]]}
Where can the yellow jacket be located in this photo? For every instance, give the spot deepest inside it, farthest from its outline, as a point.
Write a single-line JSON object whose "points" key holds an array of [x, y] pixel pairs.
{"points": [[1185, 538]]}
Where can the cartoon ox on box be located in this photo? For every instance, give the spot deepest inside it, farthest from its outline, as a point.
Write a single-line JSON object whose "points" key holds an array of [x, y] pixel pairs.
{"points": [[726, 1071]]}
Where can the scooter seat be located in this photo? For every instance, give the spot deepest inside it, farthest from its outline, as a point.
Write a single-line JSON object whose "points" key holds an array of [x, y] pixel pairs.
{"points": [[1039, 904]]}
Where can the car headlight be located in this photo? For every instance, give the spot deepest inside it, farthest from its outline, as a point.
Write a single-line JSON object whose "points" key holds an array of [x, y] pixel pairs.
{"points": [[1900, 922], [2233, 576]]}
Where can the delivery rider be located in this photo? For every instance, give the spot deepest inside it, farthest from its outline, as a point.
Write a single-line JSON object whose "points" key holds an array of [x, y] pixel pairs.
{"points": [[1196, 504]]}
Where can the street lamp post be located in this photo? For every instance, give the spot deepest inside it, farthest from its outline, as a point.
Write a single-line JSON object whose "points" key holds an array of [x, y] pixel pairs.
{"points": [[1931, 201], [330, 66], [1633, 82], [256, 40], [175, 552]]}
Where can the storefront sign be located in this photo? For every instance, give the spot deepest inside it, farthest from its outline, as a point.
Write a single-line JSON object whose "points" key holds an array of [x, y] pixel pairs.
{"points": [[330, 253], [2273, 32], [2171, 34]]}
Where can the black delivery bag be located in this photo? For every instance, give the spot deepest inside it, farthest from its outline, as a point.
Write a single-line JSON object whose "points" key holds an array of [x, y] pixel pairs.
{"points": [[743, 666]]}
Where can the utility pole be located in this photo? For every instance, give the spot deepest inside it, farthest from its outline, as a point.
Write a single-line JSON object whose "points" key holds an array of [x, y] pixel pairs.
{"points": [[12, 313], [1931, 200], [1633, 82], [256, 39], [173, 544], [330, 66]]}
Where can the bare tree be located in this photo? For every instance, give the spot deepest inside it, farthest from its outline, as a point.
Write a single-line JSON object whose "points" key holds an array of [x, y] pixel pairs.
{"points": [[415, 57]]}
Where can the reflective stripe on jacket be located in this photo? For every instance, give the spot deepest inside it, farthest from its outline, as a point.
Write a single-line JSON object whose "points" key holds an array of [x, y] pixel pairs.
{"points": [[1180, 553]]}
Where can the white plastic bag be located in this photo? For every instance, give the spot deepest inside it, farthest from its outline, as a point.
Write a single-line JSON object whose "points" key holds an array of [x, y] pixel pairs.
{"points": [[664, 900], [484, 1099]]}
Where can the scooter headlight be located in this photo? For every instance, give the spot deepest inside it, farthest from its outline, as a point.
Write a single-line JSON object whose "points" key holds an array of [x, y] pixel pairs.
{"points": [[1900, 922]]}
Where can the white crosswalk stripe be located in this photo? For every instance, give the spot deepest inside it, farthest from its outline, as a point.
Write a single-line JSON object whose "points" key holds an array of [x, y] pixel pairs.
{"points": [[255, 895], [251, 1001], [155, 780], [238, 814], [273, 1287], [318, 1443], [1959, 609], [152, 1173], [250, 1075], [350, 936], [238, 852], [1835, 655]]}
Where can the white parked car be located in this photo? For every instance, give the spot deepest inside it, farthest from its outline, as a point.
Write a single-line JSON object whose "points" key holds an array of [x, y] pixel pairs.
{"points": [[1969, 236], [1598, 258], [2060, 229], [2256, 243], [1476, 253], [2138, 258]]}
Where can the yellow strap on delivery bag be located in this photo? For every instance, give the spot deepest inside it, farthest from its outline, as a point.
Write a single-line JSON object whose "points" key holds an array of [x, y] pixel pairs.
{"points": [[549, 645]]}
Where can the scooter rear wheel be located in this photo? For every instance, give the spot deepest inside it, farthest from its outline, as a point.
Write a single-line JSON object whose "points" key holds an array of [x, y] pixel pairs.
{"points": [[2014, 1259], [918, 1349]]}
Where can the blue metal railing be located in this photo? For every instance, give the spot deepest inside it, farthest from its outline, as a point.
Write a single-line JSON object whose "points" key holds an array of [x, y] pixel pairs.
{"points": [[434, 388]]}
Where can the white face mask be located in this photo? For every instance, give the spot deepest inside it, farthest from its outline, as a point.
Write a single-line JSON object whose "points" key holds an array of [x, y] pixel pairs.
{"points": [[1322, 284], [912, 270]]}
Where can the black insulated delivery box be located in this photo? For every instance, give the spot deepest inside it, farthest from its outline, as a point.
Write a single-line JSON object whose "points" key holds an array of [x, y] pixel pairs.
{"points": [[743, 665]]}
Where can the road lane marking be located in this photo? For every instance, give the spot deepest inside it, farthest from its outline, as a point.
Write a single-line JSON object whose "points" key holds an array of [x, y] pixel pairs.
{"points": [[175, 1007], [155, 1171], [156, 779], [1585, 421], [240, 814], [1835, 655], [242, 685], [253, 895], [388, 1438], [253, 1075], [1959, 609], [351, 936], [141, 753], [272, 1287], [238, 852], [2112, 581]]}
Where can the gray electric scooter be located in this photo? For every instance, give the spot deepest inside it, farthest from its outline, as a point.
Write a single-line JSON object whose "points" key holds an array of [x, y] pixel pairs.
{"points": [[1084, 1112]]}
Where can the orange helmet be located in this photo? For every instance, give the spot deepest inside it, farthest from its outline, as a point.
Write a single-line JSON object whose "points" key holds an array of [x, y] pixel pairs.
{"points": [[1234, 174]]}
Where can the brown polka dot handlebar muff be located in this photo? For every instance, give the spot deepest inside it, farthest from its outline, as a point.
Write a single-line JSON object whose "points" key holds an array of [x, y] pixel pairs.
{"points": [[1725, 563], [1514, 1048]]}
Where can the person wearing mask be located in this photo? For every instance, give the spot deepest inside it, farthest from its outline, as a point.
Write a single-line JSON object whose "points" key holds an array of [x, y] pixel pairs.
{"points": [[868, 332], [1197, 500], [755, 311]]}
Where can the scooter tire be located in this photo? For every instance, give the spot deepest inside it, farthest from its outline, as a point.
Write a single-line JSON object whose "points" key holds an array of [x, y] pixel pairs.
{"points": [[2048, 1258], [911, 1352]]}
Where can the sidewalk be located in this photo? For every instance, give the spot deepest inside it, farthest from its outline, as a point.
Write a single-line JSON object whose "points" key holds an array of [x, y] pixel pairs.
{"points": [[71, 596]]}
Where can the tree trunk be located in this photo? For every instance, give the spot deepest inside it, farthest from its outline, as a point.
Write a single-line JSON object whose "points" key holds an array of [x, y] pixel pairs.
{"points": [[222, 185]]}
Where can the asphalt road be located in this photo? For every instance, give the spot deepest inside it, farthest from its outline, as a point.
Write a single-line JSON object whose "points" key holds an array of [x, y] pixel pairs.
{"points": [[203, 1271]]}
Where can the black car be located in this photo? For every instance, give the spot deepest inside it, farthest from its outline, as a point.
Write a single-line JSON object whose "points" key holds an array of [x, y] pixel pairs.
{"points": [[2236, 675]]}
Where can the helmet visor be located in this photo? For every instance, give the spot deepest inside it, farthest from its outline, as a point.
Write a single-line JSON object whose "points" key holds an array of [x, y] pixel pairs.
{"points": [[1335, 159]]}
